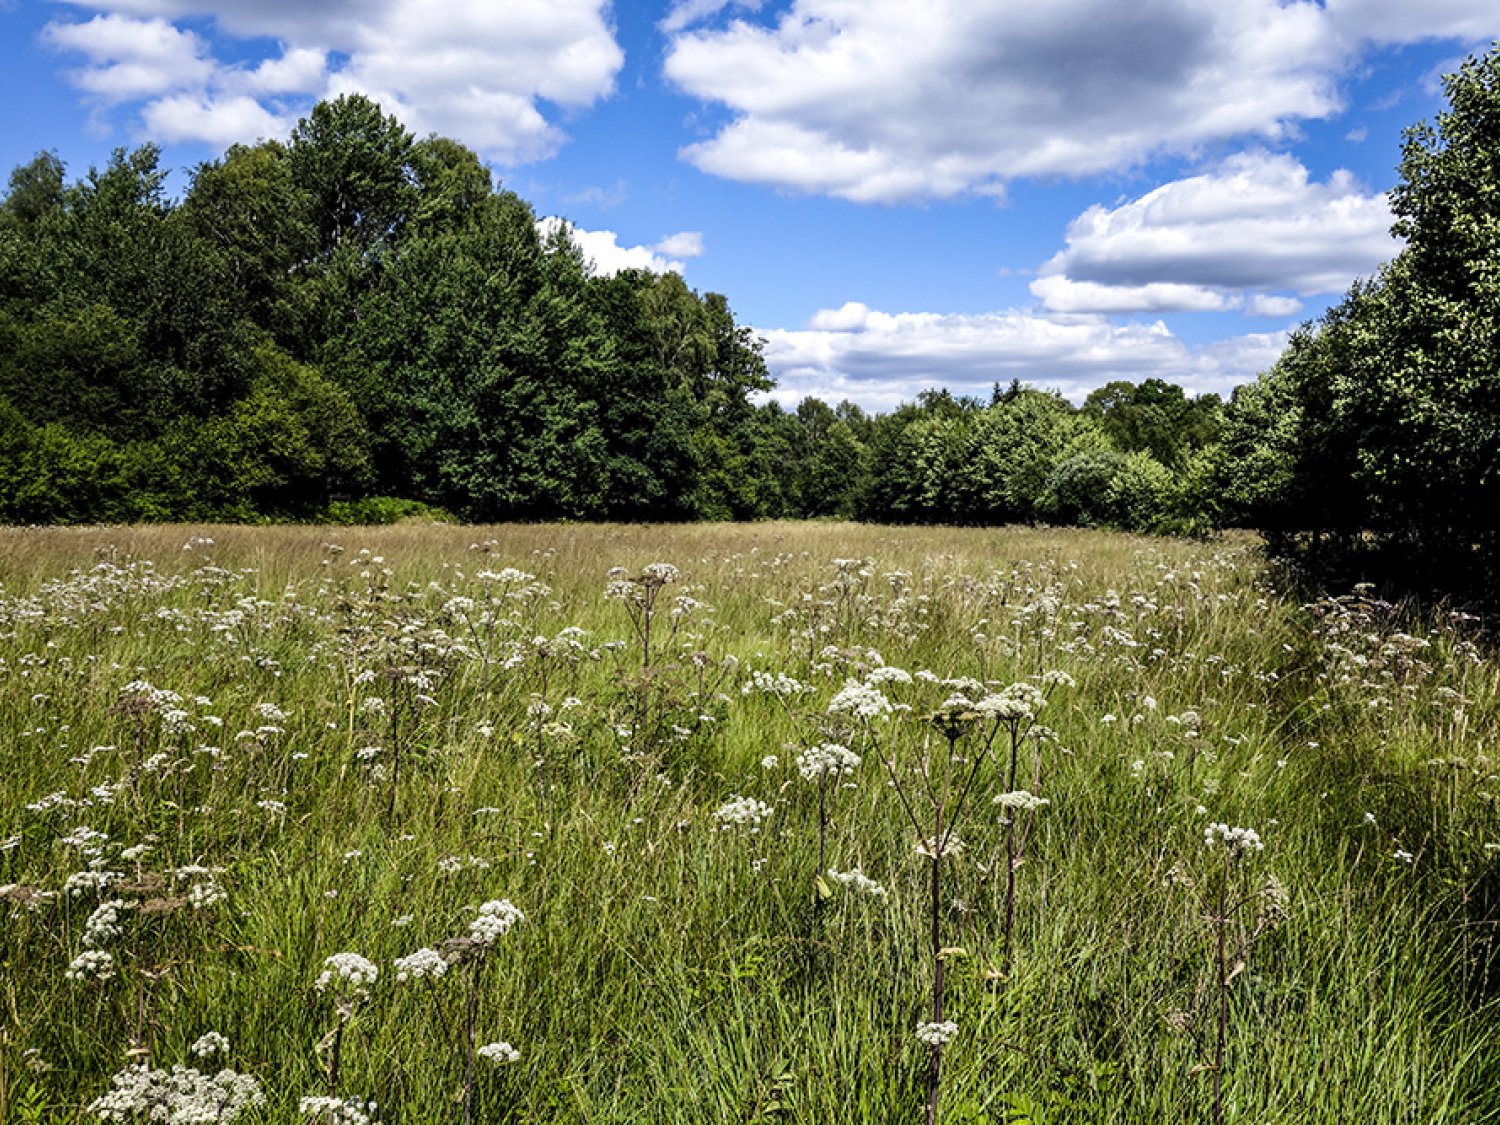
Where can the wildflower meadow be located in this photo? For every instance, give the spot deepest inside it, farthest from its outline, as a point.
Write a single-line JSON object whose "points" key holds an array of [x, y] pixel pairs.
{"points": [[813, 823]]}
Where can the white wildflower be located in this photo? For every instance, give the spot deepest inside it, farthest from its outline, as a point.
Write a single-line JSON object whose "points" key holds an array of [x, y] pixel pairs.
{"points": [[206, 894], [857, 880], [92, 964], [499, 1053], [1021, 800], [209, 1043], [180, 1096], [422, 963], [828, 760], [744, 813], [337, 1111], [495, 920], [346, 968], [936, 1034], [774, 683], [860, 700], [1237, 841]]}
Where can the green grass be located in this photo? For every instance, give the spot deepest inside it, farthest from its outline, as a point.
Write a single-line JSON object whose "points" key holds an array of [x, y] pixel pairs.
{"points": [[671, 970]]}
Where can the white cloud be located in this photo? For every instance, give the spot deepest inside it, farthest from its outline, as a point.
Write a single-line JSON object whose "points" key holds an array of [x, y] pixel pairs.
{"points": [[888, 100], [1061, 294], [475, 70], [685, 13], [131, 59], [1401, 21], [684, 244], [1241, 236], [880, 359], [221, 121], [602, 249], [1275, 308], [301, 70]]}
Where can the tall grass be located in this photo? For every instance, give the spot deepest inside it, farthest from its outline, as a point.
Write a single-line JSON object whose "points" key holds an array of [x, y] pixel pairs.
{"points": [[372, 732]]}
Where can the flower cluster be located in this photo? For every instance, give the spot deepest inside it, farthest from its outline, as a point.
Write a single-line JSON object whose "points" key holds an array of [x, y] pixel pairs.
{"points": [[936, 1034], [495, 920], [1236, 841], [347, 968], [1018, 702], [499, 1053], [177, 1096], [774, 683], [422, 963], [337, 1111], [209, 1043], [96, 964], [828, 761], [857, 880], [1021, 800], [860, 700], [745, 813]]}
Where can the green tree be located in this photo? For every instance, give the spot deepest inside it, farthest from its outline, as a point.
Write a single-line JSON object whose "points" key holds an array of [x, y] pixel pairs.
{"points": [[259, 225], [36, 192], [356, 162]]}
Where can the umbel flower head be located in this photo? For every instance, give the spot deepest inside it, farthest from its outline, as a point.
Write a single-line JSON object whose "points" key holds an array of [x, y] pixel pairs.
{"points": [[499, 1053], [495, 920], [346, 968], [828, 760], [1236, 841], [936, 1034], [177, 1096]]}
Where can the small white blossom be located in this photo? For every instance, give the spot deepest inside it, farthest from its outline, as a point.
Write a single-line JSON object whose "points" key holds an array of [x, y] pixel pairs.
{"points": [[92, 964], [180, 1096], [744, 813], [495, 920], [499, 1053], [936, 1034], [1021, 800], [774, 683], [828, 760], [206, 894], [1237, 841], [210, 1043], [337, 1111], [861, 700], [423, 963], [346, 968], [857, 880]]}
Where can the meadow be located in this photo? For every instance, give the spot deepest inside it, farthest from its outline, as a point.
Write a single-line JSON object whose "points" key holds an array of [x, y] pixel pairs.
{"points": [[745, 823]]}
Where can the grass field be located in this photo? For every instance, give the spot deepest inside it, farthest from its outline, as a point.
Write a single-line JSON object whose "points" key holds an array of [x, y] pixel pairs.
{"points": [[733, 823]]}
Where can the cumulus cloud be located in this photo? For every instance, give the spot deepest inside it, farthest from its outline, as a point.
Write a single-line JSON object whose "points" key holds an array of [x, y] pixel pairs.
{"points": [[685, 13], [886, 100], [220, 121], [477, 70], [889, 101], [1247, 234], [602, 249], [1400, 21], [131, 59], [880, 359]]}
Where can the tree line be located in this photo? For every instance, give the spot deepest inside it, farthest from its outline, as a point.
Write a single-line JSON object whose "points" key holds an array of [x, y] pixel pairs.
{"points": [[357, 321]]}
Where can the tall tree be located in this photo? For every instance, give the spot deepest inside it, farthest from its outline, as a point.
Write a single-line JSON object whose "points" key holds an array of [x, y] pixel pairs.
{"points": [[357, 164]]}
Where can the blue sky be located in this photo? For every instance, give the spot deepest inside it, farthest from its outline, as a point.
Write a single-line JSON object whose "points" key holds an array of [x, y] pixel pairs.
{"points": [[897, 196]]}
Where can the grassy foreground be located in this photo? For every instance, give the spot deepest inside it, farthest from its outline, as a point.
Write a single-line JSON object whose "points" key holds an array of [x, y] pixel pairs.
{"points": [[1239, 861]]}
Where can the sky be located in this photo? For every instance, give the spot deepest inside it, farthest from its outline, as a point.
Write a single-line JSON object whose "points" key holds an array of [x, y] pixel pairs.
{"points": [[896, 196]]}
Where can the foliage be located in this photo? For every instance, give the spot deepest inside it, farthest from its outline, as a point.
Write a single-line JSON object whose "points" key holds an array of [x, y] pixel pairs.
{"points": [[1385, 417], [467, 822]]}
